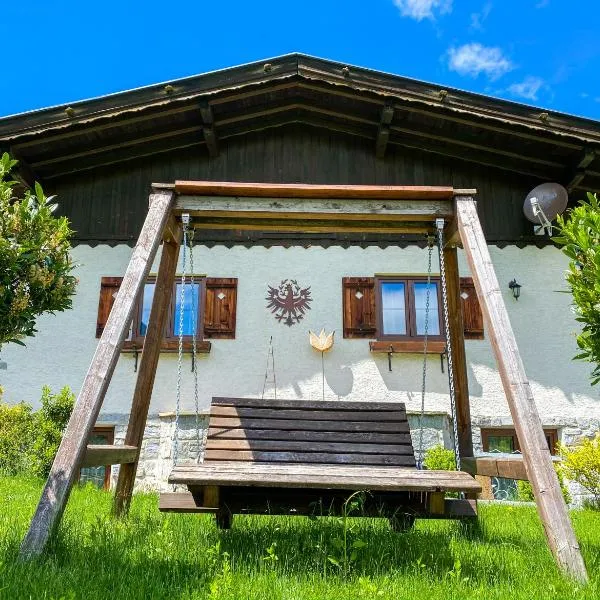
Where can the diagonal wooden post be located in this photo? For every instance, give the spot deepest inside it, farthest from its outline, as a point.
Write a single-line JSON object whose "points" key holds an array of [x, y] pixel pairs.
{"points": [[536, 455], [72, 448], [142, 395]]}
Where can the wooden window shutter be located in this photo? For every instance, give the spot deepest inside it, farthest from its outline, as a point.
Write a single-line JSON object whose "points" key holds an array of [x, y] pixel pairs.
{"points": [[472, 315], [220, 308], [359, 307], [109, 286]]}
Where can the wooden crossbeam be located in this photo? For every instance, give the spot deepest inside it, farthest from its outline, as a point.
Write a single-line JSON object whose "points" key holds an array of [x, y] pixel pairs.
{"points": [[97, 455], [306, 190], [538, 463], [65, 467], [511, 467]]}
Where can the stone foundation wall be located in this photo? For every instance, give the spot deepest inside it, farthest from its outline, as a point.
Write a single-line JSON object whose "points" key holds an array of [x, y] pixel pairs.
{"points": [[156, 459]]}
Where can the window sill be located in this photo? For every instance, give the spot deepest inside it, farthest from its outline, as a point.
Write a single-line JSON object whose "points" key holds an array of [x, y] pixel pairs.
{"points": [[408, 346], [168, 347]]}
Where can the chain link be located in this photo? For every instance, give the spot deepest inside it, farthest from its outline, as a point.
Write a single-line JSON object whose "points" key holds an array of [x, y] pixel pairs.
{"points": [[424, 377], [195, 301], [448, 343], [180, 347]]}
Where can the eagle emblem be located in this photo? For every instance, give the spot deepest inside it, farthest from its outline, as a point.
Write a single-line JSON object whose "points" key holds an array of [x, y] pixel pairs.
{"points": [[288, 301]]}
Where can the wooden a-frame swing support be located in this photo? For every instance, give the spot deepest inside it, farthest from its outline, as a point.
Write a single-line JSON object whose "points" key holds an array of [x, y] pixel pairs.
{"points": [[301, 208]]}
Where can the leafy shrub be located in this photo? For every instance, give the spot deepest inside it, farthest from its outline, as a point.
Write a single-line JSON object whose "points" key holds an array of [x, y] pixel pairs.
{"points": [[525, 491], [580, 239], [35, 265], [438, 458], [29, 440], [16, 437], [581, 463], [50, 423]]}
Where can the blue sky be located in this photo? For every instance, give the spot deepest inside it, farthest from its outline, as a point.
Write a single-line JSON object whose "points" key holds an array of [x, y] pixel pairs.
{"points": [[541, 52]]}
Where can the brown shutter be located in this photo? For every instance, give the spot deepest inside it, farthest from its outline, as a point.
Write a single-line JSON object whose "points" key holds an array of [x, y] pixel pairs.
{"points": [[472, 316], [109, 286], [220, 308], [359, 307]]}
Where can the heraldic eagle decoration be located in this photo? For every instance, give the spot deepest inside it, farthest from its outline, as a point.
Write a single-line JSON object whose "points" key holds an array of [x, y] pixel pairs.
{"points": [[288, 301]]}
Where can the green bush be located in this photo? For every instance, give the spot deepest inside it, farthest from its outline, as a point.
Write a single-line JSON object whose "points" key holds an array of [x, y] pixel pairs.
{"points": [[581, 463], [579, 236], [50, 423], [16, 437], [35, 265], [525, 491], [29, 440], [438, 458]]}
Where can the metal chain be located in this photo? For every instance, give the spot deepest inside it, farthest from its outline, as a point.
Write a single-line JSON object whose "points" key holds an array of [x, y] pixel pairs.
{"points": [[440, 236], [195, 301], [180, 344], [424, 378]]}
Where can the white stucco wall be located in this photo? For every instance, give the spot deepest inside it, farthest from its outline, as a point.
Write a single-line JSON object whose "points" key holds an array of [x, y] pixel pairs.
{"points": [[542, 319]]}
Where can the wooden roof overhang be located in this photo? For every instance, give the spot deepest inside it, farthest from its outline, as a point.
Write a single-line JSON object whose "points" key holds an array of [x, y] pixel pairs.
{"points": [[304, 208], [386, 110]]}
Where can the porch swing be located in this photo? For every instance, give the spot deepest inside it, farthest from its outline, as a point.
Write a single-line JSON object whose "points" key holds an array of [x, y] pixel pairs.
{"points": [[305, 457]]}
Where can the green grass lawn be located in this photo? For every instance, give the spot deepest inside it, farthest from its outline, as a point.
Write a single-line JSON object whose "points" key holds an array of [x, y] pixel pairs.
{"points": [[151, 556]]}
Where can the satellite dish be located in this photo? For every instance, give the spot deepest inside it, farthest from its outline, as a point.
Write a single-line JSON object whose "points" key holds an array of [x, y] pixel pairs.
{"points": [[543, 204]]}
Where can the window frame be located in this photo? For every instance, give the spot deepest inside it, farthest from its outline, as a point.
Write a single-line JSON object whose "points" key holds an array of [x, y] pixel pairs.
{"points": [[170, 336], [409, 296], [550, 433]]}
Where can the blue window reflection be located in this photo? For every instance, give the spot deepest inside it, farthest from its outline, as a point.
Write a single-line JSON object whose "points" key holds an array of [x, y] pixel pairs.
{"points": [[190, 308], [146, 306], [393, 308], [420, 290]]}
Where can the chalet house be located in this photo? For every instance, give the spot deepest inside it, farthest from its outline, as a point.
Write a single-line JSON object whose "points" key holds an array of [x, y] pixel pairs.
{"points": [[256, 293]]}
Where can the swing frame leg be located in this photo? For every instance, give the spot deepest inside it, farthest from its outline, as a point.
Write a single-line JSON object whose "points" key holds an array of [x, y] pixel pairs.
{"points": [[65, 467], [144, 385]]}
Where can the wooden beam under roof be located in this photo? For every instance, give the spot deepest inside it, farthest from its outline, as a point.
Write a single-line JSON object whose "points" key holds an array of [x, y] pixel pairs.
{"points": [[208, 130], [383, 133], [579, 171], [474, 157]]}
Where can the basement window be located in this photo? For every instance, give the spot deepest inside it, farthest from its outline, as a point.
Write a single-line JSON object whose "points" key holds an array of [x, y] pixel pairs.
{"points": [[506, 441], [98, 476]]}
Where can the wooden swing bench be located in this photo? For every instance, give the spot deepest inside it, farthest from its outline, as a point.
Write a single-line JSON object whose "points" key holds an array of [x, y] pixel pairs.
{"points": [[307, 457]]}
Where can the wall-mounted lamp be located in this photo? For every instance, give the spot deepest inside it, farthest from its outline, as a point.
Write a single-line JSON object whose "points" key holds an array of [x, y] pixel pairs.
{"points": [[516, 288]]}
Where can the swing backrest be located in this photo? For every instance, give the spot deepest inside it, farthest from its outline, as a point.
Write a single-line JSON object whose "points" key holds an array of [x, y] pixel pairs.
{"points": [[309, 431]]}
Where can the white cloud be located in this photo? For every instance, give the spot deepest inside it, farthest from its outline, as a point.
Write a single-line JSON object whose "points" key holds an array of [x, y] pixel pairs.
{"points": [[528, 88], [474, 59], [423, 9], [478, 18]]}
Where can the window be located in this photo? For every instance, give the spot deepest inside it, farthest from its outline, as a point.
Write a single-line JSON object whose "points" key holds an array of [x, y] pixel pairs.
{"points": [[505, 440], [192, 318], [210, 306], [99, 476], [393, 308], [402, 308]]}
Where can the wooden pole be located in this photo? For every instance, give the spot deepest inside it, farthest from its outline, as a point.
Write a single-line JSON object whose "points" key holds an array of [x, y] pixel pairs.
{"points": [[151, 353], [459, 357], [73, 446], [536, 455]]}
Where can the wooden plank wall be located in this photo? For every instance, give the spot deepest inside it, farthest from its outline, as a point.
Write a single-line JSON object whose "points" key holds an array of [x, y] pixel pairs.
{"points": [[108, 205]]}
